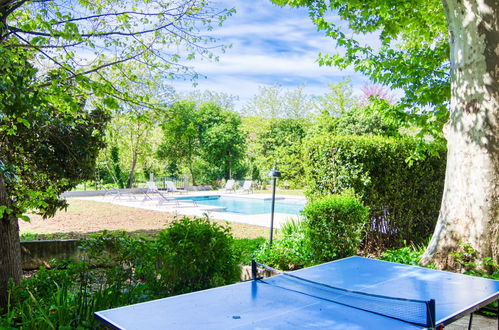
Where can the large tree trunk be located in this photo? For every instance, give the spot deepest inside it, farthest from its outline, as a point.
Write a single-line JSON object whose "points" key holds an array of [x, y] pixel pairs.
{"points": [[470, 207], [10, 248]]}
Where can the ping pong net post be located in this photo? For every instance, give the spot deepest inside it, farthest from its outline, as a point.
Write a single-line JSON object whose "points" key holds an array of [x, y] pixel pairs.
{"points": [[429, 305], [254, 271]]}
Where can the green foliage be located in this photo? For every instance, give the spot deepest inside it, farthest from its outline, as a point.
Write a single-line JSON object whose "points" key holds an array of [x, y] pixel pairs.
{"points": [[286, 253], [66, 296], [180, 136], [366, 120], [49, 139], [118, 269], [206, 139], [245, 249], [413, 56], [291, 226], [409, 255], [274, 102], [465, 257], [197, 254], [403, 198], [222, 141], [334, 226], [116, 167], [281, 141]]}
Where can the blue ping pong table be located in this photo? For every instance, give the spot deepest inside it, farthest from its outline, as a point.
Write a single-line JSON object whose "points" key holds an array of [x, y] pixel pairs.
{"points": [[352, 293]]}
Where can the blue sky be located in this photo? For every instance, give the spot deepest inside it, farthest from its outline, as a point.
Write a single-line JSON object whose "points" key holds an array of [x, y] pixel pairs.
{"points": [[270, 45]]}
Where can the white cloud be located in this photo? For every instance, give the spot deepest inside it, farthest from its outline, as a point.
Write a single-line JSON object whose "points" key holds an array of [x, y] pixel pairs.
{"points": [[270, 45]]}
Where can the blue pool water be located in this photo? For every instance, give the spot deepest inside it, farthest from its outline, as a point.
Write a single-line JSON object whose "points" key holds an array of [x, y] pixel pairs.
{"points": [[249, 205]]}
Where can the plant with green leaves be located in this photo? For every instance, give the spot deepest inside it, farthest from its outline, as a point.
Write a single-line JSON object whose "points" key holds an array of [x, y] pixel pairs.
{"points": [[404, 199], [281, 142], [222, 141], [180, 143], [49, 142], [246, 248], [408, 255], [443, 54], [196, 254], [134, 128], [118, 269], [274, 101], [335, 226], [204, 138]]}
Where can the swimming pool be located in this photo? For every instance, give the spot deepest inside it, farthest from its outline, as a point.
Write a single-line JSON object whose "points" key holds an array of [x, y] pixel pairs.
{"points": [[249, 205]]}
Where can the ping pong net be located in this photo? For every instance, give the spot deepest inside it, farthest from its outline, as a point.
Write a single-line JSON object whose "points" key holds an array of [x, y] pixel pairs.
{"points": [[417, 312]]}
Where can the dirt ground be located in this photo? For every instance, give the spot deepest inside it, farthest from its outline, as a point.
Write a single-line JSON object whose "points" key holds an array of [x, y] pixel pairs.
{"points": [[84, 217]]}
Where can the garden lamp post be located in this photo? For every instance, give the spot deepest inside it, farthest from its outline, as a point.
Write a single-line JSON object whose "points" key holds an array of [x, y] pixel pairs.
{"points": [[274, 174]]}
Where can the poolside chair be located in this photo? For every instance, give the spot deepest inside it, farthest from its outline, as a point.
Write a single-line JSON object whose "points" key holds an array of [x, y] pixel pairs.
{"points": [[162, 199], [116, 193], [229, 186], [170, 187], [246, 187]]}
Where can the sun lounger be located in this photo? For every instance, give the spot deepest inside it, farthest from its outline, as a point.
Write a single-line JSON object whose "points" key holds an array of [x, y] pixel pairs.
{"points": [[116, 193], [229, 186], [162, 199], [246, 187], [170, 187]]}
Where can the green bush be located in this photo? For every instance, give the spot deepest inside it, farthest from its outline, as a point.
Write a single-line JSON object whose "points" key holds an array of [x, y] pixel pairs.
{"points": [[403, 197], [408, 255], [197, 254], [334, 226], [287, 253], [245, 249]]}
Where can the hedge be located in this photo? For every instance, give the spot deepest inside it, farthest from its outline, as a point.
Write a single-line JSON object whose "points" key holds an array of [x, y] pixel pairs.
{"points": [[403, 198]]}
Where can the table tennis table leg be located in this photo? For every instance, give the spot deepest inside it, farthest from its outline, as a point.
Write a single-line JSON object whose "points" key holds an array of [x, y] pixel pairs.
{"points": [[471, 321]]}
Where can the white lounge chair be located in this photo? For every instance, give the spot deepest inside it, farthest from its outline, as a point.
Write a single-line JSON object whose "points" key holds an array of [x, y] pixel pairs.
{"points": [[162, 199], [246, 187], [116, 193], [229, 186], [170, 187]]}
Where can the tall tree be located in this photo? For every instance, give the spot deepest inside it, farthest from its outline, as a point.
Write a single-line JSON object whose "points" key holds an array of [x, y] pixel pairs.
{"points": [[71, 43], [281, 143], [438, 65], [134, 129], [180, 143], [48, 144], [221, 139], [204, 138]]}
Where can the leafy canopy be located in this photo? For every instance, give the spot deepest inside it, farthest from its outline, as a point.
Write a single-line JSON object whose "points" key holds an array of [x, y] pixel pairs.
{"points": [[413, 54], [48, 143]]}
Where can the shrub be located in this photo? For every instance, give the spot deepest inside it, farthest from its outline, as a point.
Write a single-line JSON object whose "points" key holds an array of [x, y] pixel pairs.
{"points": [[287, 253], [403, 198], [118, 269], [291, 226], [196, 254], [245, 249], [334, 226], [409, 255]]}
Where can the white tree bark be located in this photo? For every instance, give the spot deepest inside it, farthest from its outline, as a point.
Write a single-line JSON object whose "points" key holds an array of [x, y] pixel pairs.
{"points": [[470, 207]]}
